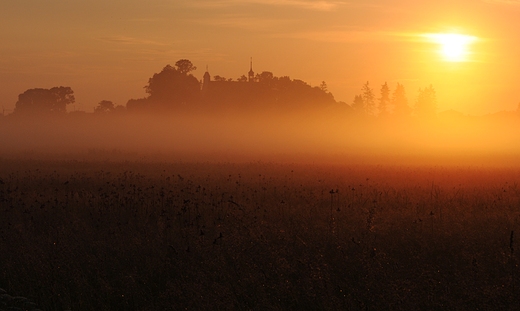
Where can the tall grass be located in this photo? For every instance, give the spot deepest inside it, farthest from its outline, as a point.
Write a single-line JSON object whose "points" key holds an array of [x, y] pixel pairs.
{"points": [[161, 236]]}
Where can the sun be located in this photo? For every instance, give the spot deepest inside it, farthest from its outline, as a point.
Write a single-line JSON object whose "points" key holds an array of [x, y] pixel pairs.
{"points": [[453, 47]]}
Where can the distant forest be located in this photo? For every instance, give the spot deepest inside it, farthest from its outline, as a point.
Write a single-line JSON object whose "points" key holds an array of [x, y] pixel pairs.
{"points": [[175, 89]]}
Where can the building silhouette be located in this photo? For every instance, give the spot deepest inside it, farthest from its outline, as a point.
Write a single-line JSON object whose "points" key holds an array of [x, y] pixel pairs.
{"points": [[251, 73], [230, 92], [250, 91]]}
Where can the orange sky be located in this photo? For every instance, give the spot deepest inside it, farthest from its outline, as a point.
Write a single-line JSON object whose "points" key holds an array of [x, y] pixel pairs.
{"points": [[109, 49]]}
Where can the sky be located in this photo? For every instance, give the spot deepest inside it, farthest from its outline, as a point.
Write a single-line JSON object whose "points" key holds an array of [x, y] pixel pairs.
{"points": [[107, 50]]}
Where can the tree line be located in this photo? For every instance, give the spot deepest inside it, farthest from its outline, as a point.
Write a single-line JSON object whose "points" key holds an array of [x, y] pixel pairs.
{"points": [[395, 103], [176, 88]]}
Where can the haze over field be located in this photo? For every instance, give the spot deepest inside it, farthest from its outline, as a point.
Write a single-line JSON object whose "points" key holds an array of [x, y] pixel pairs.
{"points": [[303, 138], [107, 49]]}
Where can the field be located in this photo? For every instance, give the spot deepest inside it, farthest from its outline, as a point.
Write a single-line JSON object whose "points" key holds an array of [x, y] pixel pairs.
{"points": [[101, 235]]}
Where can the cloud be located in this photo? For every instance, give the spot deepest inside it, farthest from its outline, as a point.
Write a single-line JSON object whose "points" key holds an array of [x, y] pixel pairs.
{"points": [[243, 22], [361, 35], [507, 2], [130, 40], [320, 5], [347, 35]]}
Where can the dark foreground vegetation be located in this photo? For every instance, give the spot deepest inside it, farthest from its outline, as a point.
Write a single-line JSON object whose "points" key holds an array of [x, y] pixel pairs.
{"points": [[150, 236]]}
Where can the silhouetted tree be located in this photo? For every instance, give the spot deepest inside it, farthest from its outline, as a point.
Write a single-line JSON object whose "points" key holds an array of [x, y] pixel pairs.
{"points": [[358, 104], [137, 104], [426, 105], [284, 83], [265, 77], [184, 66], [400, 102], [343, 108], [54, 100], [323, 86], [368, 98], [297, 93], [119, 109], [104, 106], [384, 100], [172, 86], [268, 91]]}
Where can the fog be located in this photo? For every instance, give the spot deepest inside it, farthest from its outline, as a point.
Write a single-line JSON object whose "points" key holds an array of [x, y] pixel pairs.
{"points": [[267, 136]]}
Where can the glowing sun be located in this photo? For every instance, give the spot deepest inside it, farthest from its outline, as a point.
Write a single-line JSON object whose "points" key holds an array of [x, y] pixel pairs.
{"points": [[453, 47]]}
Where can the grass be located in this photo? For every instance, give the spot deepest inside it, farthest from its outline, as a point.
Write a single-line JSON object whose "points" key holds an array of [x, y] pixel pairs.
{"points": [[258, 236]]}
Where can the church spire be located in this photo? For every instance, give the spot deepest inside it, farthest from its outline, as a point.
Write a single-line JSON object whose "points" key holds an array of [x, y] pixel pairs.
{"points": [[206, 80], [251, 73]]}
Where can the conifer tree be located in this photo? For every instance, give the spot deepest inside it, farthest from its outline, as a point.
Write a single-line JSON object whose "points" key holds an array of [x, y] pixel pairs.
{"points": [[400, 102], [358, 105], [384, 100], [368, 98], [426, 105]]}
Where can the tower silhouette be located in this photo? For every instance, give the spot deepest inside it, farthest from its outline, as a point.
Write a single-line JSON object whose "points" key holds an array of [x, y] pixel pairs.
{"points": [[251, 73], [205, 81]]}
